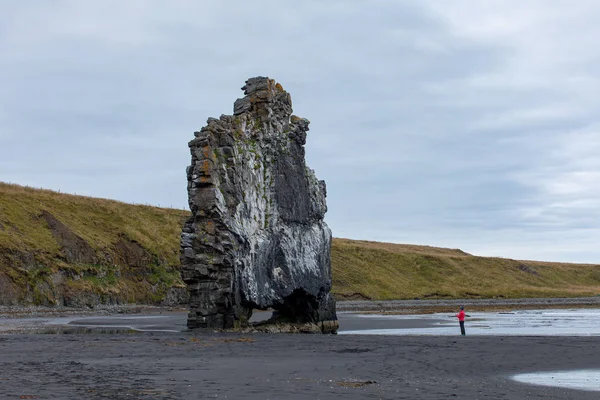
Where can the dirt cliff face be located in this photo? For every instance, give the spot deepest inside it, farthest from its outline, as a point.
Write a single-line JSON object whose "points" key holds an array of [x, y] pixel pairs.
{"points": [[256, 238], [77, 274]]}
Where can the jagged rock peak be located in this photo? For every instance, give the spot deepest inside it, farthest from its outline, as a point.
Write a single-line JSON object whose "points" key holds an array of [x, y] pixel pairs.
{"points": [[256, 238], [261, 93]]}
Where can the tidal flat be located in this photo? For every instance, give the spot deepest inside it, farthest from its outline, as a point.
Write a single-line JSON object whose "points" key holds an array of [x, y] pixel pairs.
{"points": [[150, 355], [261, 366]]}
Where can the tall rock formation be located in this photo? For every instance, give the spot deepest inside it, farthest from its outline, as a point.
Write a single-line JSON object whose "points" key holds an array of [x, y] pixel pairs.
{"points": [[256, 238]]}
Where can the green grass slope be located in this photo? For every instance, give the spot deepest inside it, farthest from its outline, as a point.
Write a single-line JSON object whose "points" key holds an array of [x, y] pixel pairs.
{"points": [[385, 271], [74, 250], [97, 251]]}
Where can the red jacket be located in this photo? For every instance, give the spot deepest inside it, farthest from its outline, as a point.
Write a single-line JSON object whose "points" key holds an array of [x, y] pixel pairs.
{"points": [[461, 315]]}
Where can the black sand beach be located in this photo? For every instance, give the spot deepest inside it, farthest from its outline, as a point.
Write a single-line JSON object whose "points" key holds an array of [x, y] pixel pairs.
{"points": [[189, 365], [154, 365]]}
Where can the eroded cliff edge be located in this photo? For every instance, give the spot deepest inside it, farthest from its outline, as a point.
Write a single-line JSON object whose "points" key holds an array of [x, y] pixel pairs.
{"points": [[63, 250], [256, 238]]}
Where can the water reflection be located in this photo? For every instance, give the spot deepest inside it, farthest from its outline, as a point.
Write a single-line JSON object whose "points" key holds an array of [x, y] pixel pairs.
{"points": [[573, 322], [582, 379]]}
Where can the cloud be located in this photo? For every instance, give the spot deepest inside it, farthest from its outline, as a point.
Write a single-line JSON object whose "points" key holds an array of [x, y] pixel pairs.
{"points": [[462, 124]]}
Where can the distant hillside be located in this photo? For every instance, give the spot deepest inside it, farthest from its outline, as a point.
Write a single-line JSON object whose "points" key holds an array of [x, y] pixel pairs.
{"points": [[385, 271], [73, 250]]}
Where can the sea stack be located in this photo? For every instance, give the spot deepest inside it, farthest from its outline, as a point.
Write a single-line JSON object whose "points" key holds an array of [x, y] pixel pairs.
{"points": [[256, 238]]}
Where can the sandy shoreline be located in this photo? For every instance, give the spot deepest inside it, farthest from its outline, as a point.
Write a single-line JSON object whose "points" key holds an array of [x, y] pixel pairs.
{"points": [[422, 306], [261, 366], [125, 364], [25, 319]]}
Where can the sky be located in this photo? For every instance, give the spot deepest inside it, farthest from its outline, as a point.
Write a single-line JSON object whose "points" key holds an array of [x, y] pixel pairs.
{"points": [[470, 124]]}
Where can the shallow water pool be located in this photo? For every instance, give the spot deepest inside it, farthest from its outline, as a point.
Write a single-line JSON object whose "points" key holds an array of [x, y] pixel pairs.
{"points": [[570, 322], [582, 380]]}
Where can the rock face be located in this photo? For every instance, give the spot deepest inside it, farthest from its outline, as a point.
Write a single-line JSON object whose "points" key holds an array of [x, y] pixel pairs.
{"points": [[256, 238]]}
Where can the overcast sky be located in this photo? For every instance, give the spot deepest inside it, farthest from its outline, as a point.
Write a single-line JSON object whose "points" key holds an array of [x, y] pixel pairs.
{"points": [[469, 124]]}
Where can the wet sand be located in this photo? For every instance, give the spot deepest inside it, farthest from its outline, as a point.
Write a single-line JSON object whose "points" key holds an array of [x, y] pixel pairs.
{"points": [[261, 366], [126, 364], [175, 321]]}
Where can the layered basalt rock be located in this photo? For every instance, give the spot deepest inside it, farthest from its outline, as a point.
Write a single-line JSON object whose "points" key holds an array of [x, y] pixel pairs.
{"points": [[256, 238]]}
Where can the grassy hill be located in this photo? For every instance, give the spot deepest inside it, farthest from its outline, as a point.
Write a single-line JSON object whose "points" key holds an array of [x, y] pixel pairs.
{"points": [[386, 271], [74, 250]]}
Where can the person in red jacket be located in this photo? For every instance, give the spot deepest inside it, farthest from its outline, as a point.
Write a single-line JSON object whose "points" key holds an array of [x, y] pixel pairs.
{"points": [[461, 320]]}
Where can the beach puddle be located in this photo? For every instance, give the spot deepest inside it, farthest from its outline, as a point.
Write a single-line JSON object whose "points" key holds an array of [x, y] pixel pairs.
{"points": [[573, 322], [123, 324], [582, 379]]}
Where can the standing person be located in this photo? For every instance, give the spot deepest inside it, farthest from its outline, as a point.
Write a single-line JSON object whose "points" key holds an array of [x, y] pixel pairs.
{"points": [[461, 320]]}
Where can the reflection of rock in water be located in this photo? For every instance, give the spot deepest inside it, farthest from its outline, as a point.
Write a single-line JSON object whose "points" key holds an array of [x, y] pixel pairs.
{"points": [[256, 238]]}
